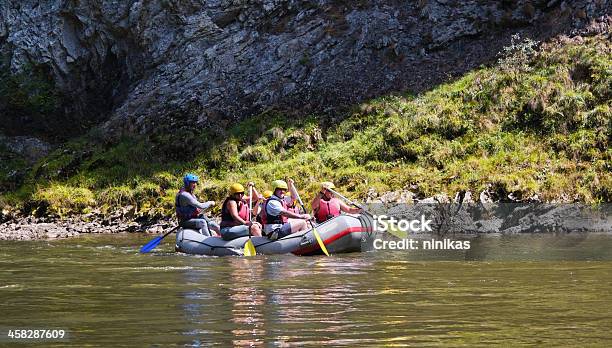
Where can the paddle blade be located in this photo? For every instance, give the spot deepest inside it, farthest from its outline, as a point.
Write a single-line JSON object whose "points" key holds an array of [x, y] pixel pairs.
{"points": [[151, 245], [249, 248], [320, 241]]}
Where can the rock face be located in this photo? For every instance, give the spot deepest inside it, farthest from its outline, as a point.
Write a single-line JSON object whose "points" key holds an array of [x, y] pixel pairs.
{"points": [[31, 149], [136, 64]]}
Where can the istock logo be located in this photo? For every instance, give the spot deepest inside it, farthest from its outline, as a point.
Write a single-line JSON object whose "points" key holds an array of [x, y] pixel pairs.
{"points": [[384, 223]]}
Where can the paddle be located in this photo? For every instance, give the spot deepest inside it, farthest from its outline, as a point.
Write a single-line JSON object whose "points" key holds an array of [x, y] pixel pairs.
{"points": [[155, 242], [249, 248], [314, 229], [350, 202]]}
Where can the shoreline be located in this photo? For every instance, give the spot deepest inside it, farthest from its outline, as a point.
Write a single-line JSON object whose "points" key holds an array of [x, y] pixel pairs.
{"points": [[48, 229], [447, 217]]}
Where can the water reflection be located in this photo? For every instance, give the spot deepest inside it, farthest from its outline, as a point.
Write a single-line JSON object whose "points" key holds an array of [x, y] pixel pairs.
{"points": [[263, 301], [227, 305], [248, 301]]}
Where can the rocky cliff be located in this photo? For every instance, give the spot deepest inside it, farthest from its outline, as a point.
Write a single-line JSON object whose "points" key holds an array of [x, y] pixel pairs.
{"points": [[135, 64]]}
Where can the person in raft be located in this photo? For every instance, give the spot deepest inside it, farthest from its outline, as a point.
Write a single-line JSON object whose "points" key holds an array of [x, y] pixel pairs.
{"points": [[266, 194], [278, 221], [326, 206], [291, 202], [189, 211], [236, 215]]}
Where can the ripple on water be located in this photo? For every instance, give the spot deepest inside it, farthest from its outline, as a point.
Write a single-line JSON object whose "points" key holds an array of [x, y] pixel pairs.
{"points": [[162, 268], [11, 286], [369, 299]]}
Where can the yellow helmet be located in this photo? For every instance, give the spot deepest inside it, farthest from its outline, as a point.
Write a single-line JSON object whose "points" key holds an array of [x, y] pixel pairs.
{"points": [[236, 188], [267, 194], [279, 184], [327, 185]]}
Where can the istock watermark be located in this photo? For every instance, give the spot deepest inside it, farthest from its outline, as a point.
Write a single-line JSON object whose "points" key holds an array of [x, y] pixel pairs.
{"points": [[415, 244], [397, 226], [422, 228], [384, 223]]}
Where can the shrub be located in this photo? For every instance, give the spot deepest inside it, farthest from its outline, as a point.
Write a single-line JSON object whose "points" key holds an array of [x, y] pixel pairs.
{"points": [[64, 200], [116, 196], [165, 180], [259, 153], [517, 56]]}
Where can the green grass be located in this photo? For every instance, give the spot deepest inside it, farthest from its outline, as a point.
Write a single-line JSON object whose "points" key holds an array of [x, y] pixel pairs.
{"points": [[538, 123]]}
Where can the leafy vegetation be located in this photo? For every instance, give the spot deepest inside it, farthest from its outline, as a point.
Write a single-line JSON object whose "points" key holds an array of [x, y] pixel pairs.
{"points": [[538, 123]]}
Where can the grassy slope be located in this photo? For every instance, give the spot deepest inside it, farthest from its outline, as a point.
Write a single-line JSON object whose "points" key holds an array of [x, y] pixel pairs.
{"points": [[536, 123]]}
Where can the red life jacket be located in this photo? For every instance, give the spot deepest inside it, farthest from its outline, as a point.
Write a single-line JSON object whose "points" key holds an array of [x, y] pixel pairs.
{"points": [[226, 217], [291, 205], [186, 212], [266, 218], [327, 210]]}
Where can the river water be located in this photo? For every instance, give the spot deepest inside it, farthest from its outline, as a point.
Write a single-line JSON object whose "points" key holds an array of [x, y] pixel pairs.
{"points": [[506, 290]]}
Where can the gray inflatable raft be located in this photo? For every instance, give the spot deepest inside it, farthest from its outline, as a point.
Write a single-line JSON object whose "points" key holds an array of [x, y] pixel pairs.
{"points": [[342, 234]]}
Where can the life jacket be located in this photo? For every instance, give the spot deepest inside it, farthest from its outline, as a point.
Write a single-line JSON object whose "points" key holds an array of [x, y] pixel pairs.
{"points": [[226, 217], [186, 212], [292, 208], [327, 210], [266, 218], [260, 212]]}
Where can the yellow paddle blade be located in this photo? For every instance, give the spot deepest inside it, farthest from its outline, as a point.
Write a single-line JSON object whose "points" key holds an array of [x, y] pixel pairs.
{"points": [[320, 241], [249, 248]]}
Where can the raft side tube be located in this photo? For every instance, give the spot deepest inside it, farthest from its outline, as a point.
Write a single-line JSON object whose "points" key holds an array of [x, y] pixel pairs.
{"points": [[341, 234]]}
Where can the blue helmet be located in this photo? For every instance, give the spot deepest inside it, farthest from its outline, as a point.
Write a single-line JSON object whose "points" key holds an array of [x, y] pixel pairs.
{"points": [[190, 178]]}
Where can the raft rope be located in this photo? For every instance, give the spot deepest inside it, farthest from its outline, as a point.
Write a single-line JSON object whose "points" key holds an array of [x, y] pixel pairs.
{"points": [[212, 247], [285, 238]]}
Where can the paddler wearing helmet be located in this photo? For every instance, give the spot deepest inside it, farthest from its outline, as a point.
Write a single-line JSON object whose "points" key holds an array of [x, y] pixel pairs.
{"points": [[326, 205], [190, 211], [266, 194], [236, 216], [277, 219]]}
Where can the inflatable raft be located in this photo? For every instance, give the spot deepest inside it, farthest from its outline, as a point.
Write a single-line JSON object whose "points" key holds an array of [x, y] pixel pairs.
{"points": [[342, 234]]}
